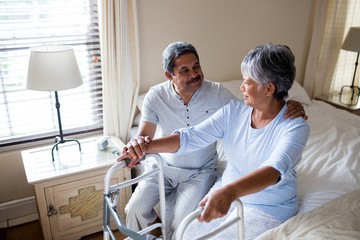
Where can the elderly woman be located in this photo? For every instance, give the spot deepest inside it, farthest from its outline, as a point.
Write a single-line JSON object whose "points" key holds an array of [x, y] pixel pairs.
{"points": [[261, 145]]}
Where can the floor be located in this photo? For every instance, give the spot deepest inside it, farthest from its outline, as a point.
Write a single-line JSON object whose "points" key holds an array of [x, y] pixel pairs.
{"points": [[32, 231]]}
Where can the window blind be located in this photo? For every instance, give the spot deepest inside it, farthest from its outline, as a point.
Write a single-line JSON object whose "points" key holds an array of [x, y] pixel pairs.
{"points": [[27, 115]]}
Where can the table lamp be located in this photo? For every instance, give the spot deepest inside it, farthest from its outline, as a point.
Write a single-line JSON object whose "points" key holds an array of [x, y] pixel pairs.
{"points": [[352, 43], [54, 68]]}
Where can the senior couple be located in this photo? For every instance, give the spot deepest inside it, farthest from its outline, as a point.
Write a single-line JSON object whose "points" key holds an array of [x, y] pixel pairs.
{"points": [[263, 138]]}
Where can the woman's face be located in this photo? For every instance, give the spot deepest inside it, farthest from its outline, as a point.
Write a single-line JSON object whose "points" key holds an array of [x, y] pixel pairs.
{"points": [[253, 93]]}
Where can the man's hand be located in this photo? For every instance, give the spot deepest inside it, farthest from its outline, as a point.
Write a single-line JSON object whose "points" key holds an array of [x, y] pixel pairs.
{"points": [[294, 110], [134, 150]]}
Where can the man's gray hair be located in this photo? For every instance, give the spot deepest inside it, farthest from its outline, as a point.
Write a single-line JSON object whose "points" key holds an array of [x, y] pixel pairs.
{"points": [[175, 50]]}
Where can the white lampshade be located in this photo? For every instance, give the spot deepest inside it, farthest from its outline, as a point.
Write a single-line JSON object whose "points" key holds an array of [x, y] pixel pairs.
{"points": [[53, 68], [352, 40]]}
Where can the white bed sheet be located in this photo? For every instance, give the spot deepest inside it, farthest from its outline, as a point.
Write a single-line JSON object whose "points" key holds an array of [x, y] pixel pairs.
{"points": [[336, 219], [330, 166]]}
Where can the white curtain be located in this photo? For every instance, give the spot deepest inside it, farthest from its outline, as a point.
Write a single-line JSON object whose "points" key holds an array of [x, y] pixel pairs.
{"points": [[332, 20], [120, 65]]}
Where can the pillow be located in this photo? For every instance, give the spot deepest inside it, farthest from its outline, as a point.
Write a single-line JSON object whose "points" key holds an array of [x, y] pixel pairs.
{"points": [[234, 87], [137, 119], [298, 93], [140, 101]]}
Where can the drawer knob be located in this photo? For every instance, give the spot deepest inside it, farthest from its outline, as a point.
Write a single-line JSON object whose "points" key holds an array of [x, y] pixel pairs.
{"points": [[51, 210]]}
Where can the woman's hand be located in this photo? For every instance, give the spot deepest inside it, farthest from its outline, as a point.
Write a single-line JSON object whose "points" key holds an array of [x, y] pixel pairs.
{"points": [[216, 205]]}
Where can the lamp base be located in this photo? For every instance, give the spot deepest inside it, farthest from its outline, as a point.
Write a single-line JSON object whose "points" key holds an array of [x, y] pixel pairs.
{"points": [[60, 140], [349, 95]]}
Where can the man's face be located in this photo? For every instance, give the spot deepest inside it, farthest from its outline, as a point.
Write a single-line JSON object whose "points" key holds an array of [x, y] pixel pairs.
{"points": [[187, 75]]}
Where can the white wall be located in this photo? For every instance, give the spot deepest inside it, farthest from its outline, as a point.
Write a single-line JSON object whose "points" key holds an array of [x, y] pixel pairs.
{"points": [[222, 31]]}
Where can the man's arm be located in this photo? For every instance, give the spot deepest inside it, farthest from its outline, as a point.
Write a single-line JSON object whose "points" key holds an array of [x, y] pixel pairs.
{"points": [[146, 129]]}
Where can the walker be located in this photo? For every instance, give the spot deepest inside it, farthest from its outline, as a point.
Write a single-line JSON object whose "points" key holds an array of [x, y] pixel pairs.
{"points": [[111, 198], [239, 220]]}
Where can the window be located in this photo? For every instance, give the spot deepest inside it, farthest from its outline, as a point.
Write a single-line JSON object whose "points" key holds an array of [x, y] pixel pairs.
{"points": [[27, 115], [345, 63]]}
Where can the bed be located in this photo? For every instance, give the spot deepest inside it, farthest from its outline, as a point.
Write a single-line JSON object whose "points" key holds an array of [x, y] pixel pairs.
{"points": [[328, 175]]}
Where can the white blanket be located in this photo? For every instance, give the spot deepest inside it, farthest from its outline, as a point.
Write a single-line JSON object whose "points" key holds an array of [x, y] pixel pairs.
{"points": [[336, 219], [330, 166]]}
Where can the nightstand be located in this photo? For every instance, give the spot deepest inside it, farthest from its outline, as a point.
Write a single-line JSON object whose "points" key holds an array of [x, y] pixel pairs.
{"points": [[69, 190], [334, 99]]}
